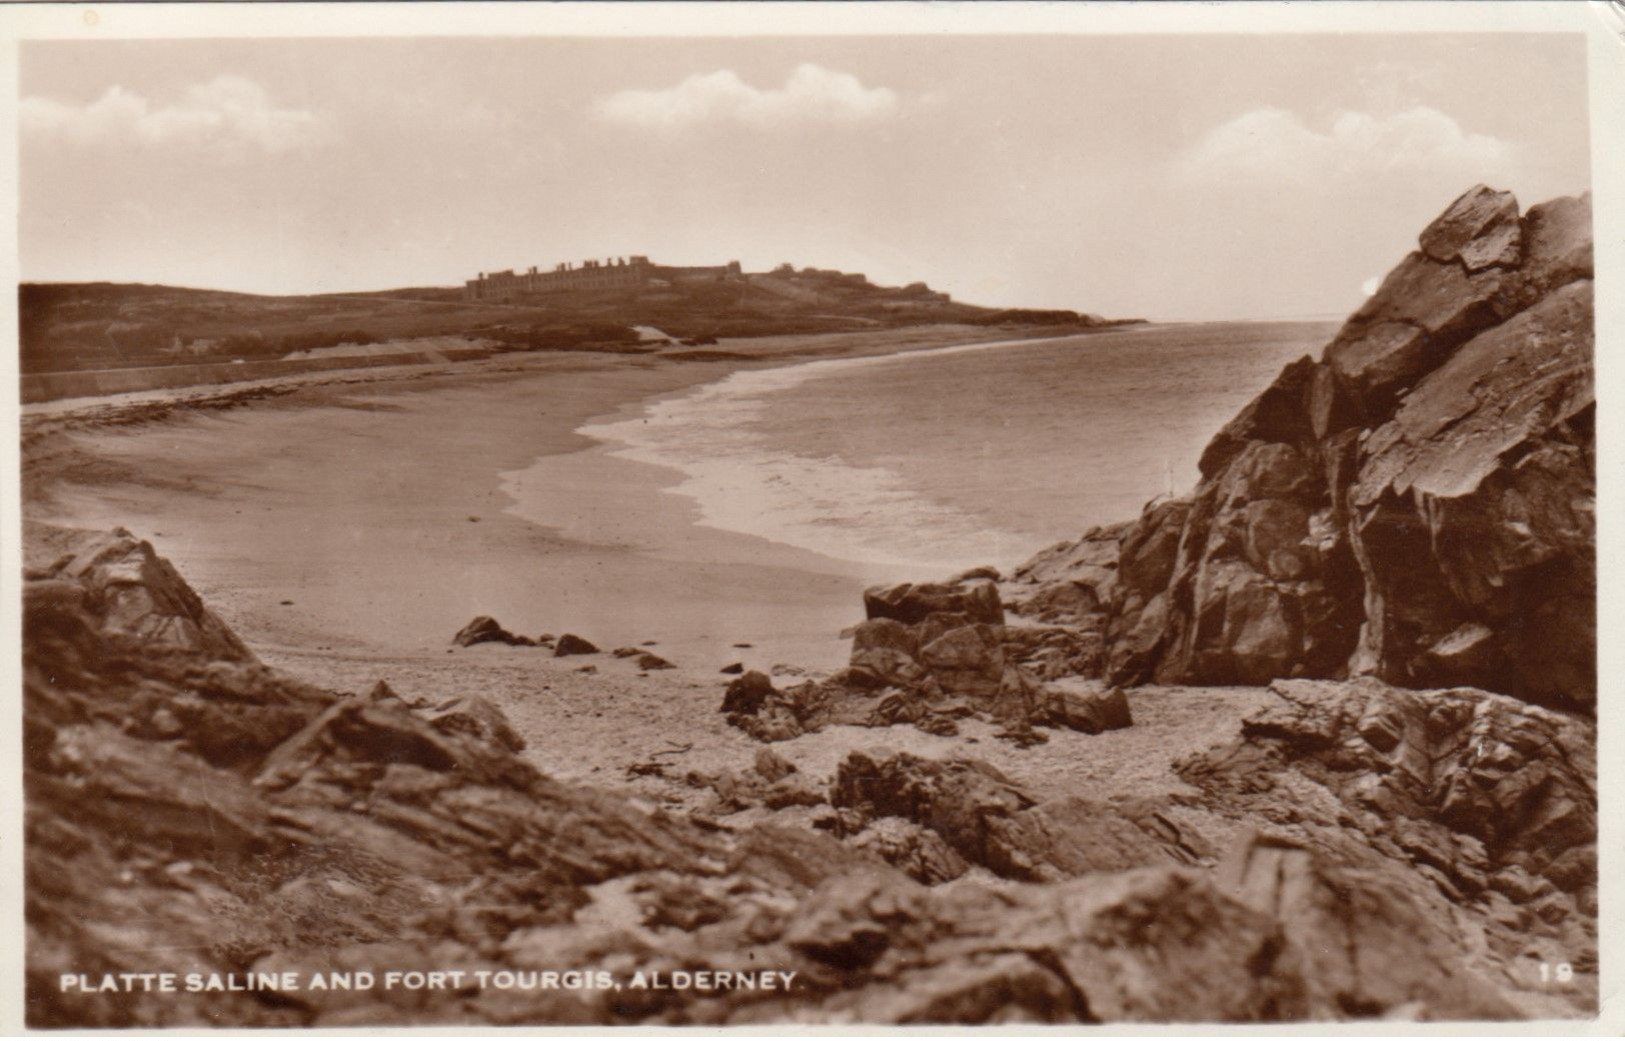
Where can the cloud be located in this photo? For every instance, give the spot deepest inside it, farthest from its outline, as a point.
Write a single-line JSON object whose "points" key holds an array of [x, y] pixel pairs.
{"points": [[228, 113], [811, 93], [1273, 144]]}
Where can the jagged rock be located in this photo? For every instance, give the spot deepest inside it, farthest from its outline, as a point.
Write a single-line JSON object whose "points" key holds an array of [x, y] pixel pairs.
{"points": [[1092, 712], [1067, 599], [878, 667], [910, 603], [990, 821], [570, 644], [1467, 781], [917, 851], [886, 634], [1278, 415], [129, 828], [1057, 651], [930, 672], [136, 595], [740, 791], [1460, 800], [965, 660], [1088, 560], [650, 662], [1480, 229], [1419, 505], [1557, 250], [1473, 514], [773, 766], [1365, 946], [747, 694], [485, 629], [468, 715]]}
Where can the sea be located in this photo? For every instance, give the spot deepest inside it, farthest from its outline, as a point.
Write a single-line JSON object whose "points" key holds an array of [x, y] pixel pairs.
{"points": [[981, 454]]}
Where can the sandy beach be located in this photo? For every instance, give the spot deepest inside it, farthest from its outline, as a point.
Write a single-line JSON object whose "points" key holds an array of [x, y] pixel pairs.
{"points": [[348, 527]]}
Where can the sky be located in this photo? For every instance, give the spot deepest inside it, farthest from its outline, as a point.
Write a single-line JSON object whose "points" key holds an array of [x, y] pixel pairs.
{"points": [[1168, 177]]}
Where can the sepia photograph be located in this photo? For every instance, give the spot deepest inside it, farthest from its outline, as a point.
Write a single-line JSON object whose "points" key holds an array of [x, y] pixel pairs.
{"points": [[816, 515]]}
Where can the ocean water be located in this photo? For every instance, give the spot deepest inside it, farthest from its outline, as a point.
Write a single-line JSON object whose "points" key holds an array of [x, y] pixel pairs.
{"points": [[977, 454]]}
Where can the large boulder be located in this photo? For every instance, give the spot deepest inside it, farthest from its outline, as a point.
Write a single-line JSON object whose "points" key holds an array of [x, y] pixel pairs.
{"points": [[133, 594], [991, 821], [910, 603], [1480, 229], [571, 644]]}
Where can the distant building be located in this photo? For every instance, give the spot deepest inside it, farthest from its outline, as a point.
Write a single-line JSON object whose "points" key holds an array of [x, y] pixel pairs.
{"points": [[622, 273]]}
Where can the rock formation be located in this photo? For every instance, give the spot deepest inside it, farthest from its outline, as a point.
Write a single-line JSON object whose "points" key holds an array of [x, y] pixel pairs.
{"points": [[1490, 800], [1418, 505], [485, 629], [931, 654], [570, 644], [964, 813]]}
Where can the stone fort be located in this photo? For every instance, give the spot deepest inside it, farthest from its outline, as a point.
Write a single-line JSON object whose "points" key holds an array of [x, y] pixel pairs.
{"points": [[614, 273]]}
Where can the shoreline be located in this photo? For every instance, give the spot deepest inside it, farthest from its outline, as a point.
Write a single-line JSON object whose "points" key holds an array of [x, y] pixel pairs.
{"points": [[378, 507]]}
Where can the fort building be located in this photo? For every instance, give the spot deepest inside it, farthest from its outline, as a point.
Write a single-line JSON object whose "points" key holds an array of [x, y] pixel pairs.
{"points": [[615, 273]]}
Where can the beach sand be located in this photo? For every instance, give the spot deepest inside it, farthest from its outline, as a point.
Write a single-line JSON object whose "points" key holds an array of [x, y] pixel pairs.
{"points": [[347, 527]]}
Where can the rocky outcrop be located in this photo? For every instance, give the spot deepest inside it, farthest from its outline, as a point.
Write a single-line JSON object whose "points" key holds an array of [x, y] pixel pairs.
{"points": [[132, 594], [984, 818], [1418, 505], [1490, 800], [933, 654]]}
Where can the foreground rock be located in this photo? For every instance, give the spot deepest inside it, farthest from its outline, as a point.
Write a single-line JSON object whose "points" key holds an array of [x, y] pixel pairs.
{"points": [[964, 813], [1418, 505], [1490, 802], [191, 810]]}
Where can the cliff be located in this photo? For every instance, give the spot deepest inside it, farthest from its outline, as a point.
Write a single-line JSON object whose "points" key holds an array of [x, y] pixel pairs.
{"points": [[1417, 505]]}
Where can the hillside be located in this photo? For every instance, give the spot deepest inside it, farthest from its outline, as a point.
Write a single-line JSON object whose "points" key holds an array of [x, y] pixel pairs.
{"points": [[97, 325]]}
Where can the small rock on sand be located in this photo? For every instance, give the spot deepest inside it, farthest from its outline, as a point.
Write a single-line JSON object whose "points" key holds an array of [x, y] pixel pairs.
{"points": [[570, 643]]}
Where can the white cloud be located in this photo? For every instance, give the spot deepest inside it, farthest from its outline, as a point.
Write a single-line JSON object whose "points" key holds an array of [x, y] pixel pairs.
{"points": [[1273, 144], [811, 93], [228, 113]]}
